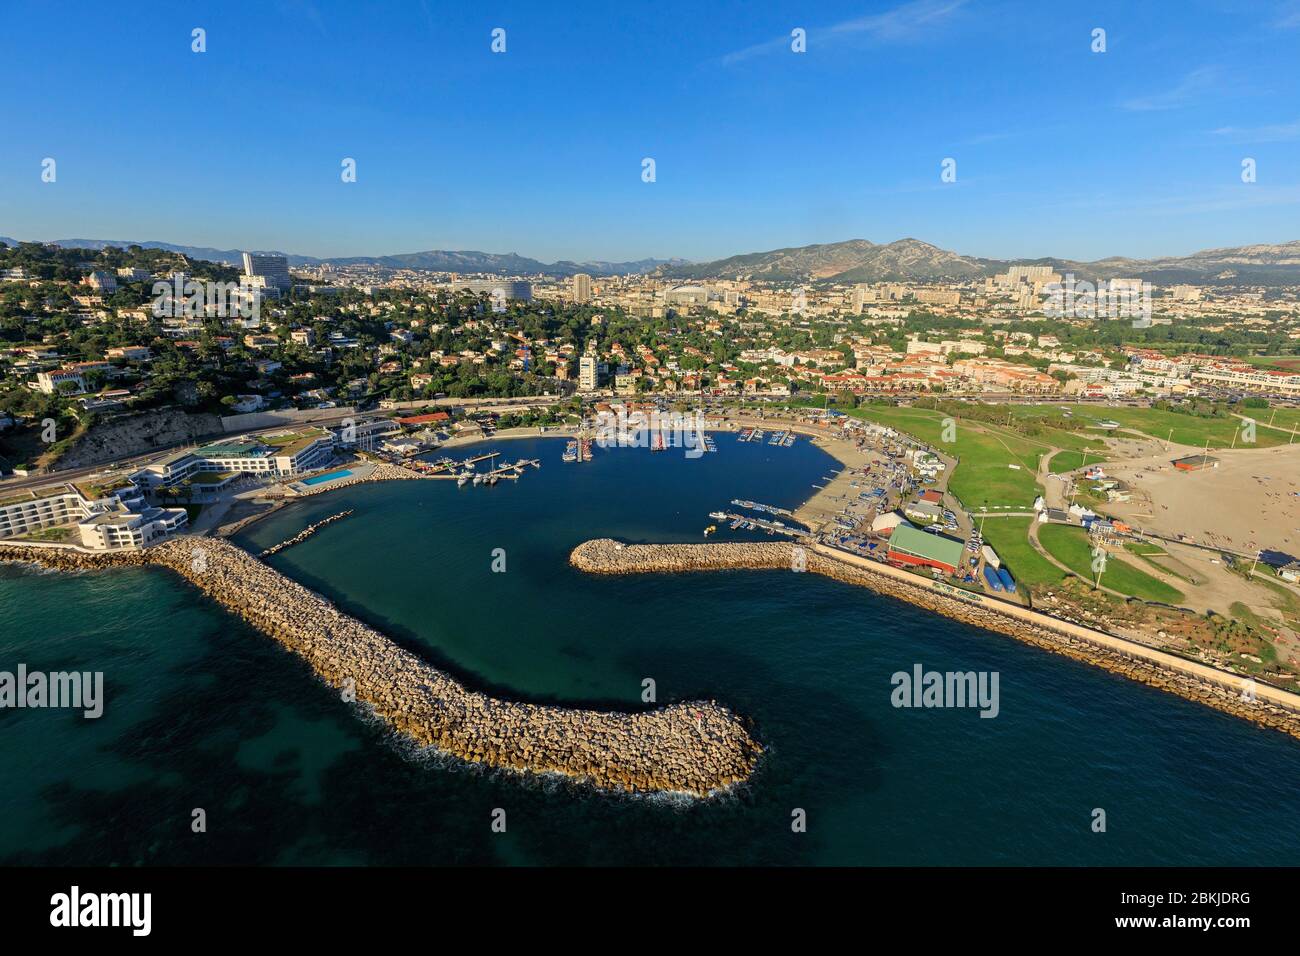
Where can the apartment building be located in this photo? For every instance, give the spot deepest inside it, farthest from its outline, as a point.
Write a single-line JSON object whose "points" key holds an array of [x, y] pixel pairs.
{"points": [[581, 288], [1249, 379], [588, 373], [274, 270]]}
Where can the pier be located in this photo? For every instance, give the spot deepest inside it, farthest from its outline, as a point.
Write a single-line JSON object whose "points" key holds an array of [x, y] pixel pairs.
{"points": [[758, 506], [771, 527]]}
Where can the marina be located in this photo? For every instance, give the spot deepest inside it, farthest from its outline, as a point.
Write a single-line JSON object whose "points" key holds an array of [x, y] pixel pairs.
{"points": [[745, 523], [526, 653], [757, 506]]}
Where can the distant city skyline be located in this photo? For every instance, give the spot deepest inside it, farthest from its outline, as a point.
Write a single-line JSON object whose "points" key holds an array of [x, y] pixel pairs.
{"points": [[539, 150]]}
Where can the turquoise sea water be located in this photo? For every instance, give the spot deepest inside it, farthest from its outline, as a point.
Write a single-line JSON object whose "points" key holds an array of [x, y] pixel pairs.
{"points": [[203, 712]]}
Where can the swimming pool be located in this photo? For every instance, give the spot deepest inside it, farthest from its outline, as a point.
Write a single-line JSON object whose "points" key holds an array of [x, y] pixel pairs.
{"points": [[328, 476]]}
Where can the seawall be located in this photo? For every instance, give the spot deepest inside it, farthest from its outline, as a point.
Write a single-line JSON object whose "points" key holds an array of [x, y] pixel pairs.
{"points": [[696, 747], [1271, 706]]}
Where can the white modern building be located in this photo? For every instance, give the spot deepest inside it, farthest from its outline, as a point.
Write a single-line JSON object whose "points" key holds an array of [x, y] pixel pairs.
{"points": [[275, 269], [269, 456], [74, 514]]}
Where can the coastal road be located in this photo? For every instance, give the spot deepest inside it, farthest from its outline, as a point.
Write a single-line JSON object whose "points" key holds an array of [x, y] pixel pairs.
{"points": [[328, 417], [138, 461]]}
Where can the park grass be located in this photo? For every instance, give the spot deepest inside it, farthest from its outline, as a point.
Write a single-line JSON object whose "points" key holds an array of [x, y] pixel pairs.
{"points": [[1146, 554], [1009, 537], [1064, 461], [1169, 426], [1287, 418], [1186, 429], [1070, 546], [983, 476], [1145, 549], [1285, 362], [1287, 600]]}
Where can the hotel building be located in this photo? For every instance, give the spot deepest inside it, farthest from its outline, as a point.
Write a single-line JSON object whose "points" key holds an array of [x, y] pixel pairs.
{"points": [[271, 456], [98, 520]]}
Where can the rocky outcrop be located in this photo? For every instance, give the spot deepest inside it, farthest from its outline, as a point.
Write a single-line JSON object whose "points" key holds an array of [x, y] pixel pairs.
{"points": [[128, 435], [698, 747], [606, 556]]}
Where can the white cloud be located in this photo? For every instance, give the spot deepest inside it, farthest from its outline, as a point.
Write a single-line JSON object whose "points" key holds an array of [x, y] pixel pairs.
{"points": [[901, 23], [1271, 133], [1192, 86]]}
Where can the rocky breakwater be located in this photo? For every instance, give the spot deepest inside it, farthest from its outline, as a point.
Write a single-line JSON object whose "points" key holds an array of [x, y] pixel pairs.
{"points": [[69, 559], [697, 747], [607, 556], [304, 534], [1225, 692]]}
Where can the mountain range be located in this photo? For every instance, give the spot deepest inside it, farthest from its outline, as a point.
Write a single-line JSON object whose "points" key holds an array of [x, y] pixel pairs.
{"points": [[433, 260], [858, 260], [855, 260]]}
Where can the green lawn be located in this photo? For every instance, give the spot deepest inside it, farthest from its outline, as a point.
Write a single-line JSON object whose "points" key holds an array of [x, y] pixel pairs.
{"points": [[1145, 548], [1064, 461], [983, 474], [1070, 546], [1279, 417], [1158, 423], [1009, 537]]}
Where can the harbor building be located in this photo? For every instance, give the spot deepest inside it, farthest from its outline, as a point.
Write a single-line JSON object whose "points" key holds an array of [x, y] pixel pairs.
{"points": [[912, 546], [114, 518]]}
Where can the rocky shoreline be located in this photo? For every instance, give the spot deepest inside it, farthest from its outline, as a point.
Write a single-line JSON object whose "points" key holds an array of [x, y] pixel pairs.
{"points": [[696, 747], [606, 556]]}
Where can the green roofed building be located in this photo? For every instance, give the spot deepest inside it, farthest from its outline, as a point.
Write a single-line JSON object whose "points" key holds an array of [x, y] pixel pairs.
{"points": [[908, 545], [284, 455]]}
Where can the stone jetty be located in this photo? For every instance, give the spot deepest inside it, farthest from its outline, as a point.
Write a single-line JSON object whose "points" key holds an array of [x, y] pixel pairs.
{"points": [[696, 747], [1261, 704], [304, 534]]}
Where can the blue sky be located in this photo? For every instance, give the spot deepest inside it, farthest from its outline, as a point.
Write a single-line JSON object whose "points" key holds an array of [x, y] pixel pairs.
{"points": [[1059, 150]]}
